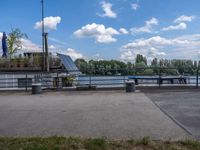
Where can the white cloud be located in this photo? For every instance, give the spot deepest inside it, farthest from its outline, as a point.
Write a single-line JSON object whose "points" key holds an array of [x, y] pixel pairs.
{"points": [[50, 23], [97, 31], [154, 41], [73, 54], [107, 8], [153, 52], [97, 57], [29, 46], [180, 23], [152, 21], [57, 41], [128, 56], [147, 47], [1, 35], [191, 37], [147, 28], [123, 31], [184, 18], [135, 6], [184, 47], [180, 26], [52, 47]]}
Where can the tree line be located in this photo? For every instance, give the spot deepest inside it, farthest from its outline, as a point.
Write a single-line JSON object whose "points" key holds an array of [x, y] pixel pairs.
{"points": [[139, 67]]}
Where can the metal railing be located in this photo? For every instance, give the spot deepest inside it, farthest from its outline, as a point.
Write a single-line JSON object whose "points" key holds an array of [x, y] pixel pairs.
{"points": [[55, 80]]}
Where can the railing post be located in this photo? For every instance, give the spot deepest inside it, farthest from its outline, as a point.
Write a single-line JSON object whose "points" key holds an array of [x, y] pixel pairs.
{"points": [[90, 81], [159, 82], [124, 80], [26, 82], [57, 81], [197, 78], [41, 79]]}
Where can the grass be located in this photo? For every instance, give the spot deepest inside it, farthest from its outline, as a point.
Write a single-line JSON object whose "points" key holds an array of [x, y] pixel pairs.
{"points": [[62, 143]]}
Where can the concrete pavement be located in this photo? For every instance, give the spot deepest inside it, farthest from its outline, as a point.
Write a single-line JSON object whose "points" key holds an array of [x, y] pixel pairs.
{"points": [[182, 106], [111, 114]]}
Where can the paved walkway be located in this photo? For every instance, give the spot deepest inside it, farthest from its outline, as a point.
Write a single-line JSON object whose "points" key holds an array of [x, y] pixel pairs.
{"points": [[182, 106], [113, 114]]}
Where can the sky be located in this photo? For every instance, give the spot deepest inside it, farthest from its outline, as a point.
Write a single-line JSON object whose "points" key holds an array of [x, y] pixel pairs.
{"points": [[108, 29]]}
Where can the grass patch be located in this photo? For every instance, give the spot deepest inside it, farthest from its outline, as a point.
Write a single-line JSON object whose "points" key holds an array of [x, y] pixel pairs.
{"points": [[62, 143], [96, 144], [191, 144]]}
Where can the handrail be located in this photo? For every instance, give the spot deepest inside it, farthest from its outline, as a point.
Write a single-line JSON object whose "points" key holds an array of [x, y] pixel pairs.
{"points": [[55, 79]]}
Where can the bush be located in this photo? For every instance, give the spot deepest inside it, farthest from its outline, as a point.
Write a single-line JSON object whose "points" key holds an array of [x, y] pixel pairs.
{"points": [[67, 81], [148, 72]]}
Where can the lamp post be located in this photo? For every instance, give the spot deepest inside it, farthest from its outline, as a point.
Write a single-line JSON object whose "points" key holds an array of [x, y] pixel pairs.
{"points": [[43, 54]]}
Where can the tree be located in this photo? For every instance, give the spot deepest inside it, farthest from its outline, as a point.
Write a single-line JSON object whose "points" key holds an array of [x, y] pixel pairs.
{"points": [[140, 67], [198, 64], [154, 62], [115, 67], [140, 58], [148, 72], [82, 65], [195, 65], [15, 41], [130, 68]]}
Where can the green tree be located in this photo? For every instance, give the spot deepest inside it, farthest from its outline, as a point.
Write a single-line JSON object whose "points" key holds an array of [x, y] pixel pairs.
{"points": [[140, 67], [155, 65], [195, 65], [148, 72], [115, 67], [170, 71], [154, 62], [82, 65], [15, 41], [130, 69], [140, 58]]}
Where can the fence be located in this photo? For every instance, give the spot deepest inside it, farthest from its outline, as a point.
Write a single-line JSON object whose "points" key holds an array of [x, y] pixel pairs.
{"points": [[55, 80]]}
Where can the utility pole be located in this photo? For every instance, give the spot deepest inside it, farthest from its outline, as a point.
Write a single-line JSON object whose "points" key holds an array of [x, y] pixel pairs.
{"points": [[46, 52], [43, 50]]}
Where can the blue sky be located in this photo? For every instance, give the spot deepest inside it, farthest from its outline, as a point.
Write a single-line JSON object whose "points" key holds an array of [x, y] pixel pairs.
{"points": [[109, 29]]}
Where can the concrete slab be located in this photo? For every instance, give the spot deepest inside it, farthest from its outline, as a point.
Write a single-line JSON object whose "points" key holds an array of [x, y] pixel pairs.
{"points": [[113, 114], [183, 106]]}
